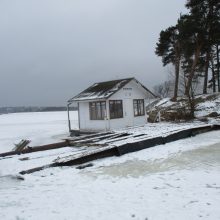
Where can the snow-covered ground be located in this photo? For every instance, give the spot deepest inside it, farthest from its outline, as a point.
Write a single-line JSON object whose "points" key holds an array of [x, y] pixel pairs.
{"points": [[179, 180], [209, 106], [206, 106]]}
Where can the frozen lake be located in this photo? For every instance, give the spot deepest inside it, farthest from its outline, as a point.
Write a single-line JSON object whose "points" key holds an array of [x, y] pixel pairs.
{"points": [[39, 127], [178, 180]]}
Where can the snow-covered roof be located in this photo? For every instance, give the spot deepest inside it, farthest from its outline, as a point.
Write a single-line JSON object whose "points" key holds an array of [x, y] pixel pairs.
{"points": [[102, 90]]}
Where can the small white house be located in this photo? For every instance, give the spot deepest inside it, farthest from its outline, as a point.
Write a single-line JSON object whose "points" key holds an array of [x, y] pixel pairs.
{"points": [[110, 105]]}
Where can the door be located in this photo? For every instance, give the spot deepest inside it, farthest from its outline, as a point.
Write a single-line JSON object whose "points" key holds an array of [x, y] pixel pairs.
{"points": [[128, 112]]}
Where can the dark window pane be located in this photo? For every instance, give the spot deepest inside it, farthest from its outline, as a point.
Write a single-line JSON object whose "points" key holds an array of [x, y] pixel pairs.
{"points": [[116, 109], [97, 110], [138, 107]]}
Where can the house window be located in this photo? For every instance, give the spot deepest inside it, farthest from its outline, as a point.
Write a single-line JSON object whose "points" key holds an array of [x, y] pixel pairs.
{"points": [[139, 107], [97, 110], [116, 109]]}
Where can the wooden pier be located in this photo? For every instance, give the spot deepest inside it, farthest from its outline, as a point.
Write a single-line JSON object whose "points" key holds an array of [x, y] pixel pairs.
{"points": [[109, 150]]}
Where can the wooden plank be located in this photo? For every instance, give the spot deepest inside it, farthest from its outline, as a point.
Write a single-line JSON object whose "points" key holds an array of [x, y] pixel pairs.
{"points": [[94, 155], [37, 148], [121, 138], [87, 136], [95, 139], [21, 145]]}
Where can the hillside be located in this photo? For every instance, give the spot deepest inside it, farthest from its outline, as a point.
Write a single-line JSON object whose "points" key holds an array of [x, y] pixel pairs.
{"points": [[206, 106]]}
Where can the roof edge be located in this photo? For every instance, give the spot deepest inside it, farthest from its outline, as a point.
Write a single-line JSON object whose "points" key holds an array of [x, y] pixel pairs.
{"points": [[73, 99]]}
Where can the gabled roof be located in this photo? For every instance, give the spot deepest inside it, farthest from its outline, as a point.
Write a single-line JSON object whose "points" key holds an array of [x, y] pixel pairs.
{"points": [[103, 90]]}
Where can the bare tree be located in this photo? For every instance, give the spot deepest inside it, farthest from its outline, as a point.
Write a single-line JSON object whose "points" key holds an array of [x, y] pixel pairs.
{"points": [[164, 89]]}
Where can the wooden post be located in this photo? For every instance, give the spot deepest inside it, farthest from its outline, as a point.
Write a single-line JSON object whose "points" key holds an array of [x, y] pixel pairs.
{"points": [[78, 116], [68, 113]]}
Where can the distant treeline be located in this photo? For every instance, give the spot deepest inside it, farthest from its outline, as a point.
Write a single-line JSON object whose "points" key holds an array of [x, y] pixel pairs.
{"points": [[6, 110]]}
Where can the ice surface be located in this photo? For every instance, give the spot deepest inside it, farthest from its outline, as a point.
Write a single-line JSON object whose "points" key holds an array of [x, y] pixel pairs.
{"points": [[39, 127]]}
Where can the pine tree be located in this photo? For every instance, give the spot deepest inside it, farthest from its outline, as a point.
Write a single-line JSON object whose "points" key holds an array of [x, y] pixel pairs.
{"points": [[169, 48], [206, 14], [192, 39]]}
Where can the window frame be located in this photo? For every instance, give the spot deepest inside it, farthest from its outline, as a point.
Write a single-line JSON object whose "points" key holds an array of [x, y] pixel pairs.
{"points": [[116, 114], [140, 107], [97, 104]]}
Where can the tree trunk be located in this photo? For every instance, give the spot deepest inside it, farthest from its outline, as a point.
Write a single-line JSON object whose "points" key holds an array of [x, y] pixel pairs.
{"points": [[213, 75], [192, 71], [177, 73], [205, 85], [192, 106], [218, 67]]}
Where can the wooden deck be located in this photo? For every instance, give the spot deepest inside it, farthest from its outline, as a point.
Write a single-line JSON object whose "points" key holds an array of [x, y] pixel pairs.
{"points": [[109, 148]]}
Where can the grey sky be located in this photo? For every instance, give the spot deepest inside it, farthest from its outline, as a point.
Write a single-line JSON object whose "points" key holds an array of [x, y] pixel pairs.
{"points": [[52, 49]]}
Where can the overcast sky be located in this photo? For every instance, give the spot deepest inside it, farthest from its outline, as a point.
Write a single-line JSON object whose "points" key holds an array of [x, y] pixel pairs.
{"points": [[50, 50]]}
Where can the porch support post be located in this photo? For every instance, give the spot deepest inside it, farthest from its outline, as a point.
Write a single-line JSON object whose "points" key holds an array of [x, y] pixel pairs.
{"points": [[68, 113], [78, 116]]}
